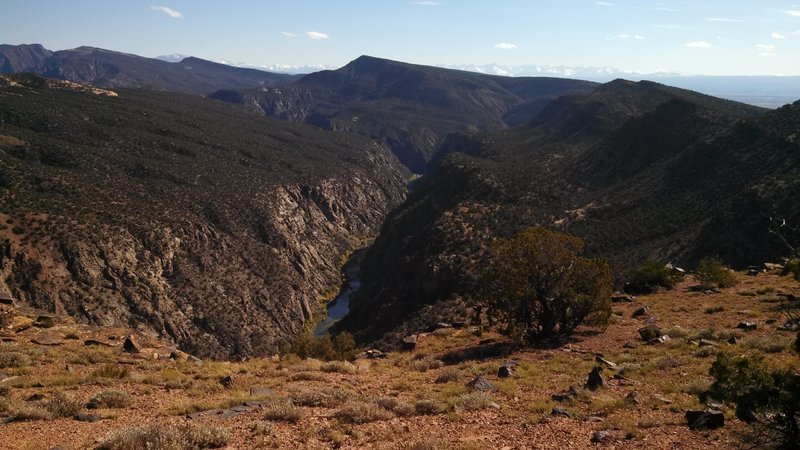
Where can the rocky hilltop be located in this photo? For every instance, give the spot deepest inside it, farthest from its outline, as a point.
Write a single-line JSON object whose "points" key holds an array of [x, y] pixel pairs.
{"points": [[218, 230]]}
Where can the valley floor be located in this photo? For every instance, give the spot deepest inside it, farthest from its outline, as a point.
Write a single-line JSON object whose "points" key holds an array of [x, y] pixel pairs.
{"points": [[424, 404]]}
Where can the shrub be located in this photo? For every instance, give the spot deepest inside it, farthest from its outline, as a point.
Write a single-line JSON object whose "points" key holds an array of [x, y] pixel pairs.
{"points": [[362, 412], [14, 359], [328, 398], [342, 347], [471, 401], [428, 407], [648, 277], [767, 400], [59, 405], [339, 367], [283, 411], [165, 437], [537, 286], [448, 374], [711, 271], [793, 268], [110, 399]]}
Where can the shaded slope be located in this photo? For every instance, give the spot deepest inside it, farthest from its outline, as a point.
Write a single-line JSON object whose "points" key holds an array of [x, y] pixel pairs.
{"points": [[636, 169], [411, 108], [178, 215]]}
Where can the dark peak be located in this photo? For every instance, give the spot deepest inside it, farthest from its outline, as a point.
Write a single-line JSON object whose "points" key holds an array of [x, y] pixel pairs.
{"points": [[367, 63]]}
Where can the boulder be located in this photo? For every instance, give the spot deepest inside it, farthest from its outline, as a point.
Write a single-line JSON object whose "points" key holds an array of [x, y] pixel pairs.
{"points": [[459, 324], [595, 380], [559, 412], [45, 321], [374, 354], [565, 397], [639, 312], [652, 319], [705, 420], [634, 398], [747, 326], [47, 338], [480, 384], [649, 332], [622, 298], [732, 340], [505, 372], [409, 343], [131, 344], [226, 382], [85, 417]]}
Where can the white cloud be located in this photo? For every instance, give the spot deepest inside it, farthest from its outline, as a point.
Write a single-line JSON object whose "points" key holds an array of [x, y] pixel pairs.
{"points": [[767, 54], [764, 47], [168, 11], [722, 19], [601, 3], [635, 37], [426, 3], [777, 36], [505, 46], [793, 13], [289, 34], [699, 44], [316, 35]]}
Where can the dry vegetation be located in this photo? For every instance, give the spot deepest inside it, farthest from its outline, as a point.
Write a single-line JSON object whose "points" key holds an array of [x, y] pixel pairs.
{"points": [[80, 396]]}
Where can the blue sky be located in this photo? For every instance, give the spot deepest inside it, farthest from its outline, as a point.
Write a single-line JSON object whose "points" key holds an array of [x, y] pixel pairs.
{"points": [[715, 37]]}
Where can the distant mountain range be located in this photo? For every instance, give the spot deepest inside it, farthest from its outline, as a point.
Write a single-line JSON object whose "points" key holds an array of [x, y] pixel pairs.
{"points": [[106, 68]]}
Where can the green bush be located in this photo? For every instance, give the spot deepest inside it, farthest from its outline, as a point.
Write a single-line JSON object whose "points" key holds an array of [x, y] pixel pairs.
{"points": [[340, 348], [712, 271], [793, 268], [768, 400], [648, 277], [536, 286]]}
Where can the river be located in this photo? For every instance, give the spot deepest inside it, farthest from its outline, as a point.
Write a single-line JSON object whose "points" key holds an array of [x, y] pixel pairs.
{"points": [[340, 306]]}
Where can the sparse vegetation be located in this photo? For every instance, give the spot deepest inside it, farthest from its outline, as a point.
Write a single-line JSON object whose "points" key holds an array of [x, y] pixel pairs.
{"points": [[339, 367], [650, 276], [766, 399], [712, 271], [362, 412], [165, 437], [342, 347], [110, 399]]}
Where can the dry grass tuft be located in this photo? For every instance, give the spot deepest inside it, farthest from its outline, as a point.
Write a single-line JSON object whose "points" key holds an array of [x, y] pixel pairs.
{"points": [[362, 412], [339, 367], [164, 437], [110, 399]]}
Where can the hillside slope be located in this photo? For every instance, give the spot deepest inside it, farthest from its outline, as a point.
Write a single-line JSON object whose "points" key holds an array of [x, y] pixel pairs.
{"points": [[637, 170], [411, 108], [110, 69], [216, 229]]}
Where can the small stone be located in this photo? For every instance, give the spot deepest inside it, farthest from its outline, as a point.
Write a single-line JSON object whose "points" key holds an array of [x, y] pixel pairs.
{"points": [[732, 340], [131, 345], [707, 343], [459, 324], [622, 299], [96, 343], [504, 372], [480, 384], [630, 345], [639, 312], [559, 412], [595, 380], [747, 326], [652, 319], [658, 340], [662, 399], [197, 361], [595, 419], [226, 382], [649, 332], [34, 397]]}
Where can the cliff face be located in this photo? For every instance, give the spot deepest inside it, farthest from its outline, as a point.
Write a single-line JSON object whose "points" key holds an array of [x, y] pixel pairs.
{"points": [[216, 230]]}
